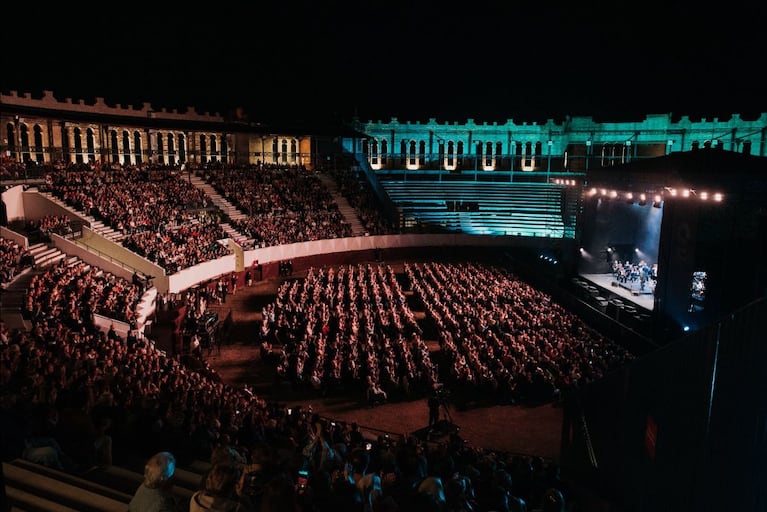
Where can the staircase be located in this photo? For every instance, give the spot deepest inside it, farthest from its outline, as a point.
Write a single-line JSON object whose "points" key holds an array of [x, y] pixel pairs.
{"points": [[34, 487], [96, 225], [45, 255], [229, 210], [349, 213]]}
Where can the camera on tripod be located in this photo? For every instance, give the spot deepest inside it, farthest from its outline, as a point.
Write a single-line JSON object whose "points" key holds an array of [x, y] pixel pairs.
{"points": [[441, 392]]}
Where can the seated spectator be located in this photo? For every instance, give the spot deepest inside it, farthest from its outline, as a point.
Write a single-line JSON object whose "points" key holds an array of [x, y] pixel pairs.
{"points": [[154, 494], [220, 493]]}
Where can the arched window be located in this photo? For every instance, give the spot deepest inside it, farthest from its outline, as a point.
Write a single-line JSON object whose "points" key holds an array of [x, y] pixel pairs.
{"points": [[284, 148], [24, 133], [374, 152], [171, 150], [39, 144], [181, 148], [126, 148], [203, 149], [10, 135], [489, 154], [224, 150], [411, 153], [115, 147], [275, 150], [402, 152], [459, 153], [90, 138], [440, 154], [78, 136], [160, 149], [422, 151], [294, 151], [213, 148], [528, 156], [384, 151], [451, 154]]}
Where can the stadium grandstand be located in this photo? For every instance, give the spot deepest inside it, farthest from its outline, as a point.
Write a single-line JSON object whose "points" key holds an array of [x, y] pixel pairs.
{"points": [[295, 318]]}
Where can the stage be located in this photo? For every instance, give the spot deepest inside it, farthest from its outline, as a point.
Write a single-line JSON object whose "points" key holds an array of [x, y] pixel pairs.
{"points": [[628, 291]]}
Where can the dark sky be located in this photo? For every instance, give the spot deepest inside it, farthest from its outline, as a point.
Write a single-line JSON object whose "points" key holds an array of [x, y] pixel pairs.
{"points": [[316, 60]]}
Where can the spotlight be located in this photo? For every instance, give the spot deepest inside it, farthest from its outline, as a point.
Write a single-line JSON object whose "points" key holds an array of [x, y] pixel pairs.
{"points": [[686, 328]]}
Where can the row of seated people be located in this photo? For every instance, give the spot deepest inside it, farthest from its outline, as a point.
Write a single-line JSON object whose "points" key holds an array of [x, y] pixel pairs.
{"points": [[505, 338], [163, 217], [73, 292], [68, 380], [51, 223], [348, 326], [13, 260], [284, 204], [306, 463], [76, 397], [11, 169]]}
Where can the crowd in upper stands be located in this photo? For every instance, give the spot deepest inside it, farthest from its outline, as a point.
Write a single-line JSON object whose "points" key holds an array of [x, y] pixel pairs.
{"points": [[284, 204], [13, 259], [164, 218]]}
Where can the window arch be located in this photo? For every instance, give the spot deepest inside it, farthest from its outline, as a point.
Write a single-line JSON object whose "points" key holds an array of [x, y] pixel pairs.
{"points": [[24, 134], [171, 150], [115, 146], [78, 136], [181, 148], [90, 138], [213, 148], [126, 147], [203, 148], [10, 135], [160, 148], [38, 135]]}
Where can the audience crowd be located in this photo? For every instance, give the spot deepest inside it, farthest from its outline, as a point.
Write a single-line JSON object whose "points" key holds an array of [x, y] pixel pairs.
{"points": [[284, 204], [162, 217], [347, 327], [73, 395], [13, 260], [504, 338]]}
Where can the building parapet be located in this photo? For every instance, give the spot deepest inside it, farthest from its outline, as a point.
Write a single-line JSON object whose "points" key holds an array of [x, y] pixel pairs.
{"points": [[49, 101]]}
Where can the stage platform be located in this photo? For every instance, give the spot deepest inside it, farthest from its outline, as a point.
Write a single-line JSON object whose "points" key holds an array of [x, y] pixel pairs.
{"points": [[631, 292]]}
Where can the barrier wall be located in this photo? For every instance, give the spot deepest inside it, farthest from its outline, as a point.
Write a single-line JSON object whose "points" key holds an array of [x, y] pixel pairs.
{"points": [[117, 253], [18, 238], [37, 206], [101, 261], [271, 255], [14, 203]]}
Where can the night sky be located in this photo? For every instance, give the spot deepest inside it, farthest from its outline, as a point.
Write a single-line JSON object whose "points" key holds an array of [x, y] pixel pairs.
{"points": [[317, 61]]}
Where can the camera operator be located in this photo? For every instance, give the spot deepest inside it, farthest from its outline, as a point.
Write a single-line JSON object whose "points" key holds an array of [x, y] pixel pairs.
{"points": [[433, 403]]}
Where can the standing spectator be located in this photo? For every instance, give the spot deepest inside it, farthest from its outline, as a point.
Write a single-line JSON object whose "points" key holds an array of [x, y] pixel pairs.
{"points": [[248, 278], [154, 494]]}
